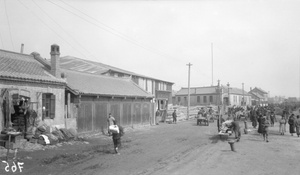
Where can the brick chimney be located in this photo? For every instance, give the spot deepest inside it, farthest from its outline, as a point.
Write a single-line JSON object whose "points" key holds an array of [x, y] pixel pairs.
{"points": [[55, 61]]}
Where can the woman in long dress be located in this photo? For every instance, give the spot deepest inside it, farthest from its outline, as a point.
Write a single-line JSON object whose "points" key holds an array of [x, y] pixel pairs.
{"points": [[292, 124]]}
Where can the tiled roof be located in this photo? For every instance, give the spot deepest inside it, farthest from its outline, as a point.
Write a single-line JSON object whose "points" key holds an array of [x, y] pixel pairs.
{"points": [[234, 90], [259, 89], [81, 65], [198, 90], [104, 85], [256, 95], [19, 66], [210, 90]]}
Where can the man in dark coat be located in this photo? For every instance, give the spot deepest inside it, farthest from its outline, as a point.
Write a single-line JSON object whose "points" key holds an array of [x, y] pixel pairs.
{"points": [[260, 127], [174, 116], [272, 118], [297, 125], [291, 122]]}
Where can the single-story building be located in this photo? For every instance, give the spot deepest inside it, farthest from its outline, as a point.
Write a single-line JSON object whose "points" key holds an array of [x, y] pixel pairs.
{"points": [[25, 81]]}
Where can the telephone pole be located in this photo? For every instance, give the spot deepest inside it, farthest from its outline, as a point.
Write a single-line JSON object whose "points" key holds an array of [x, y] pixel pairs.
{"points": [[212, 65], [243, 95], [188, 107]]}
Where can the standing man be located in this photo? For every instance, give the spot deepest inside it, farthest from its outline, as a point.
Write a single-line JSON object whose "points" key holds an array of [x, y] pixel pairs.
{"points": [[297, 125], [174, 117], [157, 114], [110, 121]]}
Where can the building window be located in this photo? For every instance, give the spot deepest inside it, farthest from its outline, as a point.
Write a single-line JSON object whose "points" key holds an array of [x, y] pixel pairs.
{"points": [[198, 99], [178, 99], [210, 99], [204, 99], [185, 99], [48, 102]]}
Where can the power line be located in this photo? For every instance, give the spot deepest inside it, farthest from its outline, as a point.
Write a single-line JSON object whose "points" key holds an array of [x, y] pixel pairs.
{"points": [[60, 26], [50, 28], [12, 43], [114, 32]]}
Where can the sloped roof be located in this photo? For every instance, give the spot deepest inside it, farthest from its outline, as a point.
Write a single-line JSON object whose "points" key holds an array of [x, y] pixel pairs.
{"points": [[198, 90], [259, 89], [234, 90], [17, 66], [256, 95], [81, 65], [210, 90], [104, 85]]}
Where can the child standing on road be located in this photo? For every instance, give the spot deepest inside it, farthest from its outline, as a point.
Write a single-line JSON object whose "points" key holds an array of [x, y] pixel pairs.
{"points": [[282, 123]]}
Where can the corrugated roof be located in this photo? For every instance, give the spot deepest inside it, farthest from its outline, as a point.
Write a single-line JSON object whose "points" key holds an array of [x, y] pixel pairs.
{"points": [[24, 67], [104, 85], [81, 65]]}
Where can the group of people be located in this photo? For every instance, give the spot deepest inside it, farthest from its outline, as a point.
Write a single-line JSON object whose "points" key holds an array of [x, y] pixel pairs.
{"points": [[265, 117], [294, 124]]}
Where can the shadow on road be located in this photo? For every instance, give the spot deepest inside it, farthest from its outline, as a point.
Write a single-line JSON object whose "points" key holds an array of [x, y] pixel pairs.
{"points": [[217, 138]]}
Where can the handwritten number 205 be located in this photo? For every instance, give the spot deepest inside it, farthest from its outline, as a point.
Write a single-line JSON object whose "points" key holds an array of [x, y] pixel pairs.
{"points": [[14, 168]]}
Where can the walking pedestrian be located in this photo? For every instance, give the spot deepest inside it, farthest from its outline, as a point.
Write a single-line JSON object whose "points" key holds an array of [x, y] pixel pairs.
{"points": [[110, 121], [291, 122], [116, 136], [259, 120], [282, 123], [273, 119], [297, 125], [157, 115], [174, 117], [253, 118], [265, 128]]}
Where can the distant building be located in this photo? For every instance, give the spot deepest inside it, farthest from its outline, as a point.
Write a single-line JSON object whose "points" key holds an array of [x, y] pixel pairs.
{"points": [[292, 99], [212, 95], [259, 96]]}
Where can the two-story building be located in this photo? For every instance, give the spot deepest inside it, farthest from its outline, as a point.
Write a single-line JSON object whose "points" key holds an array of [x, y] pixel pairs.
{"points": [[212, 95], [259, 96]]}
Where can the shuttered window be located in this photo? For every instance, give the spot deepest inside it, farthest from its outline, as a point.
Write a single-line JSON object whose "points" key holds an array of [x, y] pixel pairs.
{"points": [[48, 102], [210, 99]]}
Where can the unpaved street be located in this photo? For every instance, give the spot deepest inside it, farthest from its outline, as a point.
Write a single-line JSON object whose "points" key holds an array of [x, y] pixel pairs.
{"points": [[182, 148]]}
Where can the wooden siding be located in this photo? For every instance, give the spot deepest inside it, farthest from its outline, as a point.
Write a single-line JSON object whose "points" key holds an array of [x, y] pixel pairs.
{"points": [[93, 114]]}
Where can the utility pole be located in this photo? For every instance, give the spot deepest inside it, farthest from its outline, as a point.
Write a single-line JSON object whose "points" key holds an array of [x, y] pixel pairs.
{"points": [[228, 85], [243, 103], [212, 65], [188, 107], [219, 102]]}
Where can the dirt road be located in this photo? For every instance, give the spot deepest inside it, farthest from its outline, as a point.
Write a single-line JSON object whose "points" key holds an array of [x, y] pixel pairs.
{"points": [[182, 148]]}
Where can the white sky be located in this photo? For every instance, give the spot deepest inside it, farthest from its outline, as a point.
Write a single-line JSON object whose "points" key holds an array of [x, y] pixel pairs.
{"points": [[256, 42]]}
